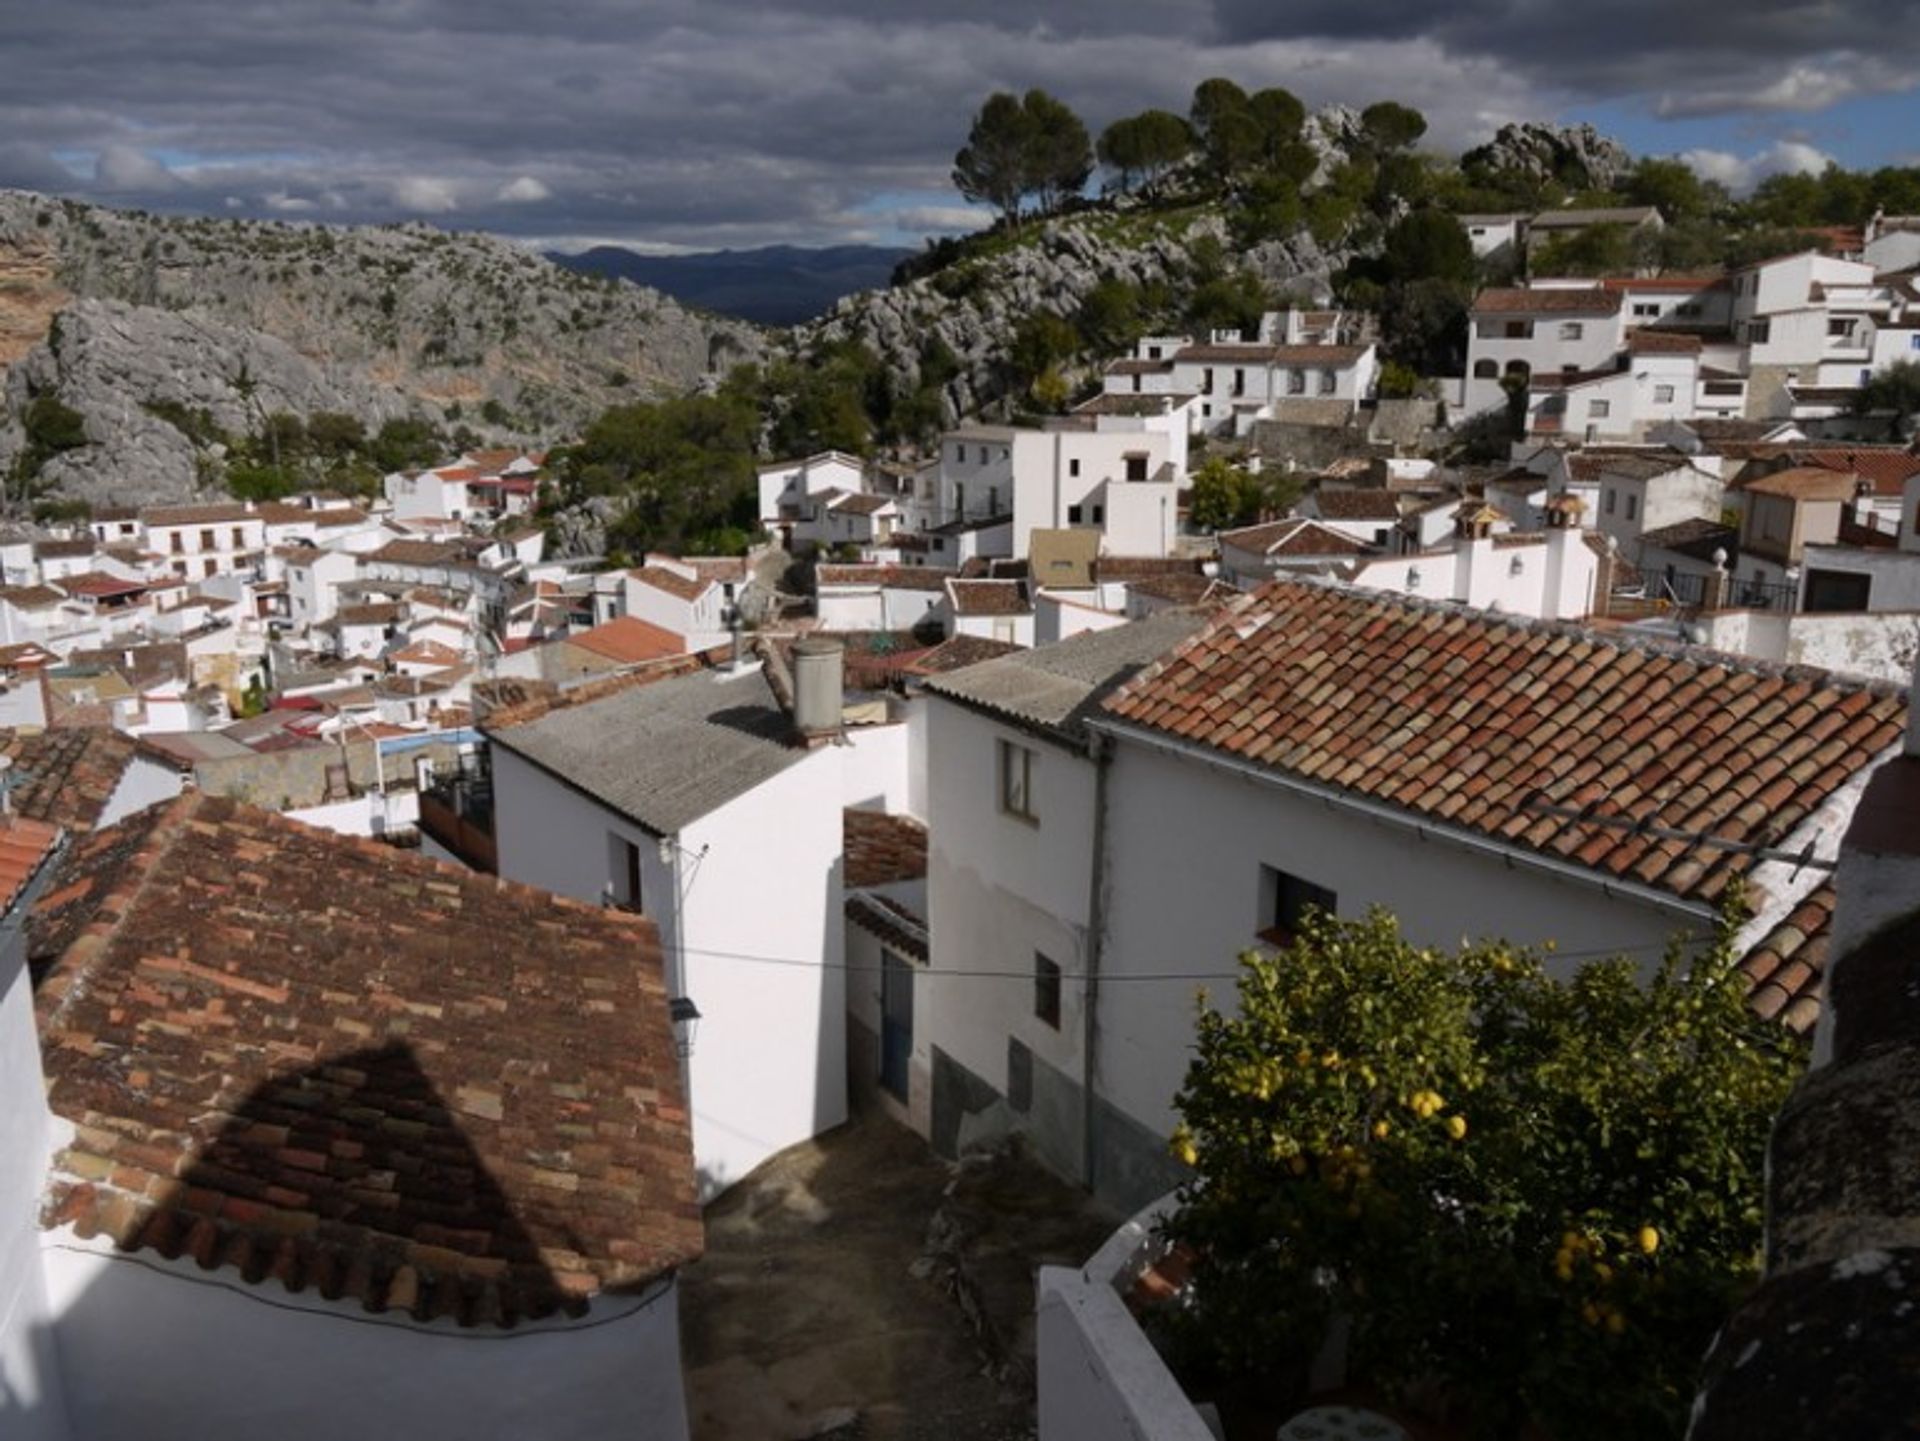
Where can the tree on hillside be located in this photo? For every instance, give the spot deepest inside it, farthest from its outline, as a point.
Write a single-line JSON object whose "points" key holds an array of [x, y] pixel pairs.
{"points": [[1672, 188], [1021, 147], [1534, 1198], [1225, 127], [1389, 125], [1145, 146], [1061, 157], [991, 169], [1223, 496]]}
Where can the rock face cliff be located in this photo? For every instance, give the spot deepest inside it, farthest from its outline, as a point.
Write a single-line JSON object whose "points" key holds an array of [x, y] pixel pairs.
{"points": [[110, 311], [975, 308], [1577, 156]]}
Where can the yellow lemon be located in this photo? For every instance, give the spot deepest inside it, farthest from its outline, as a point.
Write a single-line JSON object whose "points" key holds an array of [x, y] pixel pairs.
{"points": [[1381, 1130], [1457, 1127], [1649, 1240]]}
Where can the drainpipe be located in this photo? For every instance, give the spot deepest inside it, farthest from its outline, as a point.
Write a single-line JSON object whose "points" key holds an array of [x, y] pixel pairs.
{"points": [[1100, 752]]}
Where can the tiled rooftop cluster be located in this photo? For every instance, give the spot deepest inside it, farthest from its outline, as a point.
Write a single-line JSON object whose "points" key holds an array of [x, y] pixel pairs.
{"points": [[1470, 720], [315, 1059]]}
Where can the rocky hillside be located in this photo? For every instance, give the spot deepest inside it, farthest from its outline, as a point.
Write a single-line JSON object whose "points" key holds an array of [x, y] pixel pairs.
{"points": [[975, 308], [112, 313]]}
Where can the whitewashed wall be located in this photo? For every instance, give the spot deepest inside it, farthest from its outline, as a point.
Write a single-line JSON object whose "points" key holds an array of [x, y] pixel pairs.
{"points": [[32, 1406], [1001, 889], [145, 782], [760, 878], [158, 1351], [1099, 1377], [876, 770], [1186, 842]]}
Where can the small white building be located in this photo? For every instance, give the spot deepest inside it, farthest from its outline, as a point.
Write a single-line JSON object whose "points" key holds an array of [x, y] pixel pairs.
{"points": [[786, 486], [1557, 574], [1256, 553], [694, 799], [678, 599], [205, 540]]}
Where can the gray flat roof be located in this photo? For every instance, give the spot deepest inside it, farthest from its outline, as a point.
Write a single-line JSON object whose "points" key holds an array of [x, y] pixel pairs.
{"points": [[1054, 686], [666, 753]]}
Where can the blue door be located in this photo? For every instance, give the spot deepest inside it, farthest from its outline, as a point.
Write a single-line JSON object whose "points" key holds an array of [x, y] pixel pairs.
{"points": [[896, 1022]]}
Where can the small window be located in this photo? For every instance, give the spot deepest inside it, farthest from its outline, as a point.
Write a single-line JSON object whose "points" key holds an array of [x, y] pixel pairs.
{"points": [[1599, 409], [176, 542], [1296, 382], [1329, 382], [1099, 515], [239, 538], [1633, 507], [1572, 330], [959, 455], [1607, 500], [623, 885], [1663, 395], [1642, 309], [1206, 382], [1485, 370], [1284, 902], [206, 540], [1046, 990], [1136, 467], [1153, 352], [1073, 467], [1913, 342], [1016, 781], [1073, 515]]}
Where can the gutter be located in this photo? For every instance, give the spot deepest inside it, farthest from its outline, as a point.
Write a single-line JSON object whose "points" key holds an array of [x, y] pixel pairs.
{"points": [[1513, 857], [1100, 752]]}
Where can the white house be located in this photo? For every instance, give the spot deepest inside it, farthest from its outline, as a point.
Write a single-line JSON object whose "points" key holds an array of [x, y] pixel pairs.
{"points": [[1489, 233], [695, 799], [313, 580], [991, 609], [998, 1028], [878, 597], [1313, 734], [1647, 490], [1237, 383], [1516, 334], [1557, 574], [1257, 553], [678, 599], [438, 494], [1120, 482], [467, 1126], [785, 486], [204, 540]]}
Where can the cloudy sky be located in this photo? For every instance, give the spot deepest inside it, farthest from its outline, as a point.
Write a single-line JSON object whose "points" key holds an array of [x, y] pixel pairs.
{"points": [[669, 124]]}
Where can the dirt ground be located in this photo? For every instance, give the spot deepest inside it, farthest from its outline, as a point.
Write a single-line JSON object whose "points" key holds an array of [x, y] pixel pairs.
{"points": [[860, 1287]]}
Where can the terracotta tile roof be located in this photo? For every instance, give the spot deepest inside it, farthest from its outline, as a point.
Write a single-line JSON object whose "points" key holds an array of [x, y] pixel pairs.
{"points": [[888, 577], [27, 653], [455, 1097], [1889, 468], [1802, 482], [70, 773], [98, 585], [24, 846], [62, 549], [1697, 537], [1786, 972], [628, 639], [721, 569], [1466, 719], [31, 597], [1550, 300], [1187, 589], [881, 849], [890, 921], [164, 515], [988, 597], [1662, 342], [426, 652], [1138, 567], [1322, 355], [373, 613], [1357, 504], [1590, 466], [420, 552], [957, 652], [1298, 536], [673, 583], [1133, 365]]}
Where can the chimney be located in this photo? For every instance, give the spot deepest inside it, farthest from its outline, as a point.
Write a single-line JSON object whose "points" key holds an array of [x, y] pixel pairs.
{"points": [[1576, 583], [817, 691], [1473, 526]]}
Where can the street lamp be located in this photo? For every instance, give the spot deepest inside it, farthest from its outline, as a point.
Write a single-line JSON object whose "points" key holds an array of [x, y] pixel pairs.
{"points": [[685, 1016]]}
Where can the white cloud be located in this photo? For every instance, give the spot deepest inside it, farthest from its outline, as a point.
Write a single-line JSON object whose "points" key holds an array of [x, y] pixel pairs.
{"points": [[122, 168], [942, 219], [522, 190], [1740, 173], [282, 203], [424, 195]]}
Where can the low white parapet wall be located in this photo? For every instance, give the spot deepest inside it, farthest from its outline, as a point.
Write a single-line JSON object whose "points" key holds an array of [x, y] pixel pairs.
{"points": [[1099, 1377]]}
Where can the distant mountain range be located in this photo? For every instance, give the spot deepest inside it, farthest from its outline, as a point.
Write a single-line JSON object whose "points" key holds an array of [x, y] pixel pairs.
{"points": [[776, 285]]}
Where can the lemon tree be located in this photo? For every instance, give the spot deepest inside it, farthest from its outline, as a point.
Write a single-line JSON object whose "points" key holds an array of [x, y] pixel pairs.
{"points": [[1518, 1198]]}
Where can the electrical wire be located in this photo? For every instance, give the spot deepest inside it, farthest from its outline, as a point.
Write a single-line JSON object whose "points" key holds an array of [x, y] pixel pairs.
{"points": [[1111, 978]]}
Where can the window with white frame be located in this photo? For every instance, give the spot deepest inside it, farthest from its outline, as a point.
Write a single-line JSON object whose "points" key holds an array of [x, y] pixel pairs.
{"points": [[1016, 781], [1572, 330], [1285, 900], [1663, 395], [1599, 409]]}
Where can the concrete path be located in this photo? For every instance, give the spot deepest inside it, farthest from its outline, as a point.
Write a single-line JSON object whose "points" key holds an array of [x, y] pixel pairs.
{"points": [[822, 1308]]}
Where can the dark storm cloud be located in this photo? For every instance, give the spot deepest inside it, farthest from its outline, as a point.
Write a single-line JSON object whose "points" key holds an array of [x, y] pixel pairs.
{"points": [[742, 123]]}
